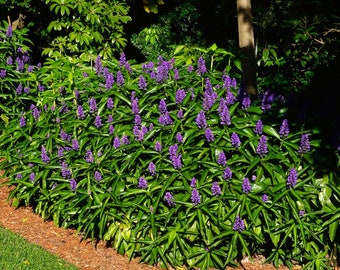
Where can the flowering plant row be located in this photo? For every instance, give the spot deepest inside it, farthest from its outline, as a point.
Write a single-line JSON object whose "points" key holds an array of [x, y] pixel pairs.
{"points": [[177, 165]]}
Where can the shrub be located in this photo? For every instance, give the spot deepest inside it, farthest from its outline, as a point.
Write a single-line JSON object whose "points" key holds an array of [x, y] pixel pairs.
{"points": [[175, 164]]}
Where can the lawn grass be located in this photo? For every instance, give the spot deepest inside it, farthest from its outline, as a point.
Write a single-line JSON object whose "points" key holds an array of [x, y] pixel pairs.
{"points": [[18, 254]]}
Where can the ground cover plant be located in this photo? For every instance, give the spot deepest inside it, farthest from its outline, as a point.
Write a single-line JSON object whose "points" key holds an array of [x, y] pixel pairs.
{"points": [[28, 256], [173, 163]]}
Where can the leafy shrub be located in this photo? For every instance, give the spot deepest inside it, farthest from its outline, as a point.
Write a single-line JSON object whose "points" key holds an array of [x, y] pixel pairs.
{"points": [[175, 164], [94, 27], [16, 71]]}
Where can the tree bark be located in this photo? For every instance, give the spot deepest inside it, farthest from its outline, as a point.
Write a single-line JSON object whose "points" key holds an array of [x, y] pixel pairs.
{"points": [[247, 45]]}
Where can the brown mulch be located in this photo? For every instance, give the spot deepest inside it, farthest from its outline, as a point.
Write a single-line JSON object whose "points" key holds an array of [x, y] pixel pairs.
{"points": [[66, 244]]}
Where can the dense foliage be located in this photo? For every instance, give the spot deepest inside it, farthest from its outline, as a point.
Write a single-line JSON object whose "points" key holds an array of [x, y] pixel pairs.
{"points": [[172, 163]]}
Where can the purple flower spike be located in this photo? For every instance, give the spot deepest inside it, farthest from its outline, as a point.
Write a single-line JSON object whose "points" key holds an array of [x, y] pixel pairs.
{"points": [[193, 182], [246, 187], [209, 135], [223, 112], [221, 160], [22, 121], [179, 137], [125, 140], [134, 106], [264, 197], [44, 157], [109, 103], [227, 174], [201, 68], [98, 122], [201, 121], [89, 156], [238, 224], [158, 147], [216, 189], [169, 199], [180, 114], [235, 140], [116, 142], [120, 79], [75, 145], [195, 197], [180, 95], [80, 112], [32, 177], [259, 127], [292, 178], [152, 168], [262, 146], [142, 85], [73, 184], [304, 144], [142, 183], [177, 162], [93, 105], [97, 176], [9, 31], [284, 129], [162, 106]]}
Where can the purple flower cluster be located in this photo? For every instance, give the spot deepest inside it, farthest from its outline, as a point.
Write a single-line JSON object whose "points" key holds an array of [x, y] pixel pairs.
{"points": [[164, 118], [209, 135], [292, 178], [89, 156], [304, 144], [223, 112], [284, 129], [152, 168], [169, 199], [246, 187], [158, 146], [201, 67], [80, 112], [238, 224], [109, 103], [267, 98], [227, 174], [180, 95], [120, 79], [195, 197], [216, 189], [201, 121], [93, 105], [142, 183], [44, 157], [209, 96], [142, 85], [97, 176], [244, 98], [221, 159], [175, 158], [98, 122], [73, 184], [259, 127], [163, 69], [65, 171], [235, 140], [262, 147]]}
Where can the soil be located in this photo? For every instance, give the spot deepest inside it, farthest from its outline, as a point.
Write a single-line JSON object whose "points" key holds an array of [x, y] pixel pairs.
{"points": [[70, 246]]}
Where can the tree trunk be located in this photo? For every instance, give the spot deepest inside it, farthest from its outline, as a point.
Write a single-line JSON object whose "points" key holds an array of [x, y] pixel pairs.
{"points": [[246, 44]]}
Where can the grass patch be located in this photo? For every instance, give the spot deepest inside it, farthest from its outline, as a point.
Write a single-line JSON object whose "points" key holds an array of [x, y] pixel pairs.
{"points": [[17, 253]]}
